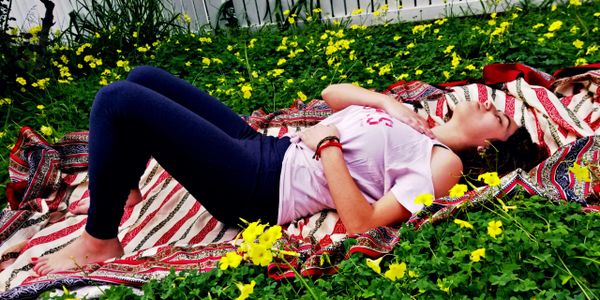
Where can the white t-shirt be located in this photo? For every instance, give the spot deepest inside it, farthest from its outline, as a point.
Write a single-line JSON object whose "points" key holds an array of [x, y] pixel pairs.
{"points": [[382, 154]]}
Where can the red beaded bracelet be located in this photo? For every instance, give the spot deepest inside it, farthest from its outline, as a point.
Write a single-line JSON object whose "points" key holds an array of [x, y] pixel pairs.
{"points": [[325, 145]]}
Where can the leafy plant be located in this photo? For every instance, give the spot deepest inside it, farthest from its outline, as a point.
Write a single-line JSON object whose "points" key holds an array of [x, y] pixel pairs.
{"points": [[122, 24]]}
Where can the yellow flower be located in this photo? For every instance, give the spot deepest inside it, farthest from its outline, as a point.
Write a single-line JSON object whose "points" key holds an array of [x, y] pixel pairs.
{"points": [[553, 8], [135, 34], [401, 76], [490, 178], [357, 11], [591, 49], [385, 69], [578, 44], [291, 20], [574, 29], [206, 61], [575, 2], [580, 61], [396, 271], [46, 130], [581, 172], [302, 96], [494, 228], [458, 190], [425, 199], [5, 101], [186, 17], [506, 207], [446, 74], [410, 46], [471, 67], [286, 12], [374, 264], [281, 61], [231, 259], [538, 25], [251, 43], [455, 60], [463, 224], [555, 26], [418, 72], [40, 107], [477, 254], [254, 229], [259, 254], [269, 237], [21, 81], [142, 49], [247, 93], [245, 290], [188, 63]]}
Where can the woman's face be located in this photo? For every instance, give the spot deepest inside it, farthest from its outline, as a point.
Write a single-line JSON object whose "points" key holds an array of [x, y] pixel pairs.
{"points": [[482, 121]]}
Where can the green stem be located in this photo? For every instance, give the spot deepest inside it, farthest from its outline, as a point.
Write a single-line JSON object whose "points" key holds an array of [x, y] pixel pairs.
{"points": [[575, 277], [312, 293]]}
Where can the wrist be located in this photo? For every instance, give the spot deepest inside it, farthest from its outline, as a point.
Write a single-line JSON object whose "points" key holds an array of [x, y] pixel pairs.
{"points": [[386, 101], [328, 142]]}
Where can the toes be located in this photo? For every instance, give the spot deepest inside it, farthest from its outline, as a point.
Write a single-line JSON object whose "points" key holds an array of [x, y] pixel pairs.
{"points": [[37, 268]]}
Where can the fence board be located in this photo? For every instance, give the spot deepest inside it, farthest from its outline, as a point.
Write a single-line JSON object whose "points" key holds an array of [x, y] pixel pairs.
{"points": [[260, 12], [338, 8]]}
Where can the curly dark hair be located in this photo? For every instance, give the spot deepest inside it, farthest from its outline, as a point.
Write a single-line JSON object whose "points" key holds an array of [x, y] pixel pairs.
{"points": [[503, 157]]}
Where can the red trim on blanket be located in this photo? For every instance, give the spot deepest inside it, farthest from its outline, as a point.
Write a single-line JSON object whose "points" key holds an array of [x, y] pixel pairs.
{"points": [[551, 110], [54, 235], [502, 73], [482, 92], [509, 106], [134, 232], [171, 232], [202, 234], [11, 220]]}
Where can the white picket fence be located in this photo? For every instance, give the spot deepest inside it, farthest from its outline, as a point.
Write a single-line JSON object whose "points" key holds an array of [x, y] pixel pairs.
{"points": [[261, 12]]}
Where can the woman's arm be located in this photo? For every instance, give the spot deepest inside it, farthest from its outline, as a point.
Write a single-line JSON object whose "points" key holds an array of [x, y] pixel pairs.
{"points": [[357, 214], [341, 95]]}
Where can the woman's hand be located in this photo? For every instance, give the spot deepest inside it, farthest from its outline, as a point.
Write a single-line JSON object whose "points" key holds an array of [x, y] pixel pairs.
{"points": [[407, 116], [313, 135]]}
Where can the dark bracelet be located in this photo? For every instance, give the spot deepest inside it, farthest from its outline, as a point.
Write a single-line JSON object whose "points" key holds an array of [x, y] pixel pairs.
{"points": [[325, 139]]}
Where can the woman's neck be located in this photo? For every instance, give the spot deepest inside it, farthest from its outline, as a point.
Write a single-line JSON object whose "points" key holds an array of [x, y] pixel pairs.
{"points": [[452, 137]]}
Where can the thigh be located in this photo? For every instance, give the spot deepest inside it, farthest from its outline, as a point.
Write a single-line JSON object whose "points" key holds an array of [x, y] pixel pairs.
{"points": [[192, 98], [217, 169]]}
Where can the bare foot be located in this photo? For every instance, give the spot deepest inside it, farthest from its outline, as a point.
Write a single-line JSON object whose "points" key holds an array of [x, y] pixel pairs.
{"points": [[84, 250], [135, 197]]}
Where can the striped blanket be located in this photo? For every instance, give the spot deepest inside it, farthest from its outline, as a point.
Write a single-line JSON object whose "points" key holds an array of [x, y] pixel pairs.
{"points": [[170, 229]]}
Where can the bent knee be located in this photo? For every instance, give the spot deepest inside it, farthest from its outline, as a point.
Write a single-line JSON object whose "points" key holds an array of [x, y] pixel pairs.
{"points": [[141, 74], [114, 95]]}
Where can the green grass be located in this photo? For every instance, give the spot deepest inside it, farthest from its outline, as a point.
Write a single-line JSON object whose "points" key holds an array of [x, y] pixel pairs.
{"points": [[553, 257], [373, 57]]}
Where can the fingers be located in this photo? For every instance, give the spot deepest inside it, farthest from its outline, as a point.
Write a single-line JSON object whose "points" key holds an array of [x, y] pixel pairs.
{"points": [[419, 124]]}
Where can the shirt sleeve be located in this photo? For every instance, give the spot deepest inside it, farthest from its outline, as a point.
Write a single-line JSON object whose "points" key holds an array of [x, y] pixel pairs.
{"points": [[408, 186], [408, 171]]}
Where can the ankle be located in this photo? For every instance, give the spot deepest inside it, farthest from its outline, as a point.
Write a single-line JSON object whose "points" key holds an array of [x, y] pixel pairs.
{"points": [[97, 243]]}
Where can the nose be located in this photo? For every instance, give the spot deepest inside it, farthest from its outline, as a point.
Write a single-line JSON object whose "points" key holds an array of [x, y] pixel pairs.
{"points": [[487, 105]]}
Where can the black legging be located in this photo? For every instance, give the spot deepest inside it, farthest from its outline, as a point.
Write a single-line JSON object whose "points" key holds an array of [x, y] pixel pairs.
{"points": [[224, 163]]}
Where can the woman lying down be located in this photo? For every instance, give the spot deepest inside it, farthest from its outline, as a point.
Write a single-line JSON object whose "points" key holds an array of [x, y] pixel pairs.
{"points": [[368, 161]]}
